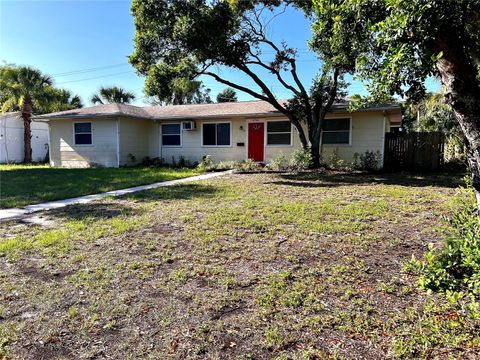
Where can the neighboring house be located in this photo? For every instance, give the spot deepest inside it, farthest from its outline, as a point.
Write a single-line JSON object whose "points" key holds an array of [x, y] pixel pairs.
{"points": [[11, 139], [117, 134]]}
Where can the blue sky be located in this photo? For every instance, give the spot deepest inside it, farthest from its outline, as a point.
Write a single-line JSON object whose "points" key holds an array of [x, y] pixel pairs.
{"points": [[85, 45]]}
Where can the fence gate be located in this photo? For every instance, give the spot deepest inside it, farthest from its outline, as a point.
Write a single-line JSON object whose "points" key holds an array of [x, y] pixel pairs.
{"points": [[413, 150]]}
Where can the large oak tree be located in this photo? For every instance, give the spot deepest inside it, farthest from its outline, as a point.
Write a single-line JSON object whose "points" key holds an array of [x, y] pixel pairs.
{"points": [[179, 39], [400, 43]]}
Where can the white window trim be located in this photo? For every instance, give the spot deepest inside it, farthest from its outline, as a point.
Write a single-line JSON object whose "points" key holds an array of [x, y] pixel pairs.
{"points": [[349, 131], [91, 132], [278, 145], [216, 146], [181, 135]]}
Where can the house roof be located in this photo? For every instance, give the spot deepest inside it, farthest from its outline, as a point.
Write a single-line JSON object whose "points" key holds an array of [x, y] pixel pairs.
{"points": [[214, 110]]}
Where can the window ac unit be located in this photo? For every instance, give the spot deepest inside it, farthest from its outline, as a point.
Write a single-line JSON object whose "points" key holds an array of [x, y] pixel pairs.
{"points": [[189, 125]]}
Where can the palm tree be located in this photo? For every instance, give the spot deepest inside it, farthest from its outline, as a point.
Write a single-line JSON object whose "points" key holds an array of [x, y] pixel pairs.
{"points": [[23, 88], [60, 100], [112, 94]]}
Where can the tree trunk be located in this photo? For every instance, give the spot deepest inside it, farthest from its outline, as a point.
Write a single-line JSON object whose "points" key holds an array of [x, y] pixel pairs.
{"points": [[27, 132], [458, 76], [315, 151]]}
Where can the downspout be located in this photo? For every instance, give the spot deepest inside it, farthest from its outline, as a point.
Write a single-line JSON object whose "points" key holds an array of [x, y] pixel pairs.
{"points": [[50, 159], [118, 142], [382, 162]]}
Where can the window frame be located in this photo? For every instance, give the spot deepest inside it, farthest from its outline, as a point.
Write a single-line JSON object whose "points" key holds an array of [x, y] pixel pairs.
{"points": [[349, 131], [278, 145], [179, 134], [82, 133], [216, 140]]}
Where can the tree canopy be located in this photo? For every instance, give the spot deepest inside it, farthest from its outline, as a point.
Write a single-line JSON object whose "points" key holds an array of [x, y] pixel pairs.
{"points": [[20, 83], [227, 95], [114, 94], [178, 41], [399, 43]]}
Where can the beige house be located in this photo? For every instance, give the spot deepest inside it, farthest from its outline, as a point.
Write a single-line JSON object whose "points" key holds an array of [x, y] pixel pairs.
{"points": [[115, 135]]}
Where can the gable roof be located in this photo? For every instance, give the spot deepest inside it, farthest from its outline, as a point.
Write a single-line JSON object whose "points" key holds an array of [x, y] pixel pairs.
{"points": [[214, 110]]}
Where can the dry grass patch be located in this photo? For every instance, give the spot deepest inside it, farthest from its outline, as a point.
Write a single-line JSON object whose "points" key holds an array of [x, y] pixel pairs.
{"points": [[246, 266]]}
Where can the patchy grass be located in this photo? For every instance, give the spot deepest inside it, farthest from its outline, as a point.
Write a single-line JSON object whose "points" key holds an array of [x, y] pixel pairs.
{"points": [[22, 185], [245, 266]]}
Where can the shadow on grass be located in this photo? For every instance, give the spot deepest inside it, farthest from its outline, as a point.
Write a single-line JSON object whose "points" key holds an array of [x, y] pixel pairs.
{"points": [[102, 210], [175, 192], [403, 179], [108, 209]]}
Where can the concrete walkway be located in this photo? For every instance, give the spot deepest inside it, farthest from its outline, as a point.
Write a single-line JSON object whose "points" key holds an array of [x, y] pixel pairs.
{"points": [[9, 214]]}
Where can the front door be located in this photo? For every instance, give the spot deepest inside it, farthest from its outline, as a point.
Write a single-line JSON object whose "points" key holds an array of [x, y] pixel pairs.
{"points": [[256, 138]]}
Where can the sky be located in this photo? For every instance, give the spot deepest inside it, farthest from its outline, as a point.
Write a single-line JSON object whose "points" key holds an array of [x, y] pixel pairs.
{"points": [[85, 44]]}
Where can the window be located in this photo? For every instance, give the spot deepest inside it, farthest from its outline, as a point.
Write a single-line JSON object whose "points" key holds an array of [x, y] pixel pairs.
{"points": [[336, 131], [216, 134], [83, 133], [171, 134], [279, 133]]}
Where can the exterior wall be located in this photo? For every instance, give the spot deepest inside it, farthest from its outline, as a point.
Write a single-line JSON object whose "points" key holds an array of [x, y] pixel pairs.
{"points": [[367, 134], [142, 138], [139, 138], [103, 151], [193, 151], [11, 139]]}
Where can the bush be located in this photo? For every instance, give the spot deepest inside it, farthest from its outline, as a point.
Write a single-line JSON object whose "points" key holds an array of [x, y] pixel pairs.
{"points": [[369, 161], [226, 165], [148, 161], [248, 165], [333, 161], [206, 164], [456, 266], [301, 160], [278, 163]]}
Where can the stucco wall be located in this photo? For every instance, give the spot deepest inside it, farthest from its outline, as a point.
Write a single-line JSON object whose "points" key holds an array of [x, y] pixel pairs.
{"points": [[64, 152], [139, 138]]}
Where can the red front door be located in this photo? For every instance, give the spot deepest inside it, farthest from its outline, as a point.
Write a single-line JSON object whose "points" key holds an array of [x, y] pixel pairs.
{"points": [[256, 140]]}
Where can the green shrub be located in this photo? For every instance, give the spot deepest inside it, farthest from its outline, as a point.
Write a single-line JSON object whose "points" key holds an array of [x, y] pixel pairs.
{"points": [[370, 160], [278, 163], [206, 164], [333, 161], [301, 160], [226, 165], [456, 266], [248, 165]]}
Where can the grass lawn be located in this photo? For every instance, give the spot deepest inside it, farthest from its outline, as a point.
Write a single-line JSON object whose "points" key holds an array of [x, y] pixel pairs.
{"points": [[22, 185], [239, 267]]}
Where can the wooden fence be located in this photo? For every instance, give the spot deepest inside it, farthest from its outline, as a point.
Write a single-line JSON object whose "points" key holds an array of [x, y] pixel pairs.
{"points": [[414, 151]]}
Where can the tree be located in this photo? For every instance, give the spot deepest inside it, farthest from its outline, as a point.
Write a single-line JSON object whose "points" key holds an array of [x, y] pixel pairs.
{"points": [[25, 89], [227, 95], [177, 40], [59, 100], [112, 94], [402, 42], [432, 113]]}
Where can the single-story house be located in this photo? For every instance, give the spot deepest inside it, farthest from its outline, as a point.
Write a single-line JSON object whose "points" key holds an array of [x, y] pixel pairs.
{"points": [[11, 139], [115, 135]]}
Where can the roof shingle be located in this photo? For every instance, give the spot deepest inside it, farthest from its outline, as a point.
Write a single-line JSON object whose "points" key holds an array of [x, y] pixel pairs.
{"points": [[214, 110]]}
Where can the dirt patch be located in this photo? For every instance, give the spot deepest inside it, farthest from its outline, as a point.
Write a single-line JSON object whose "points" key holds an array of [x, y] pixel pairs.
{"points": [[257, 268]]}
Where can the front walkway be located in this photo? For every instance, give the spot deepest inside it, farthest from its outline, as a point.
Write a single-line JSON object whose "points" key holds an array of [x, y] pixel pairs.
{"points": [[10, 214]]}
